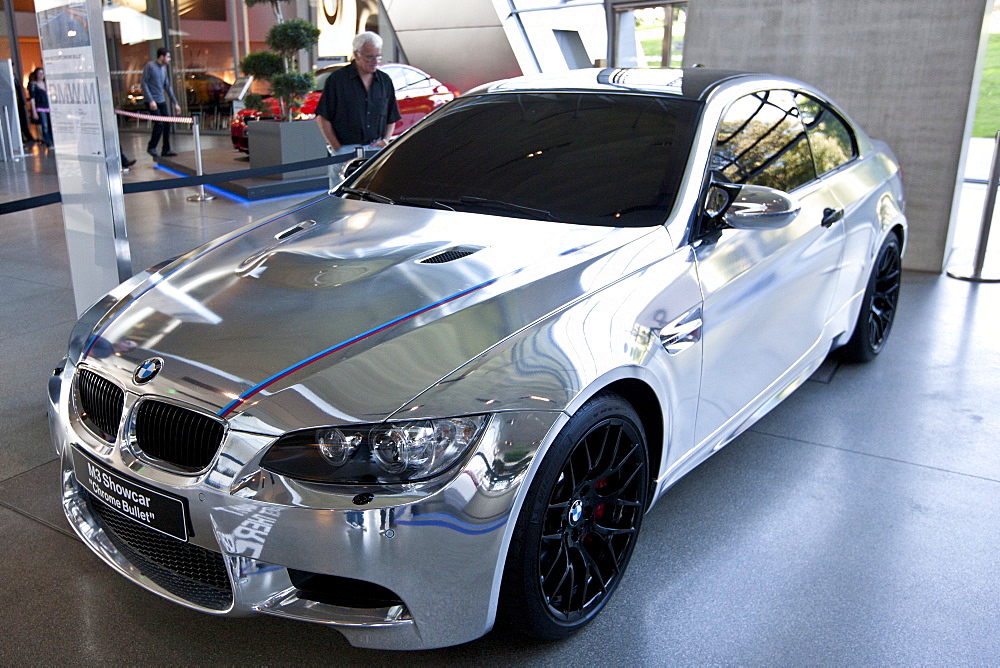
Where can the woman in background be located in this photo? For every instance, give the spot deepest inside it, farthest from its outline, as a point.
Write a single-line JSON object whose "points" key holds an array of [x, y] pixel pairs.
{"points": [[39, 95]]}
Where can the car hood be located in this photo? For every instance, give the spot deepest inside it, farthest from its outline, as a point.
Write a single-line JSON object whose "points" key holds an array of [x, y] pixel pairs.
{"points": [[342, 311]]}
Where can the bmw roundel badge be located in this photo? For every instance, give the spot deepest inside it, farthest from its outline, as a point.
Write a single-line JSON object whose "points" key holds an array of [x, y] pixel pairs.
{"points": [[147, 371]]}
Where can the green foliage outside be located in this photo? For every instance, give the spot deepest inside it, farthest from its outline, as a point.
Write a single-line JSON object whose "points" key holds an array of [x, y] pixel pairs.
{"points": [[988, 108], [652, 47]]}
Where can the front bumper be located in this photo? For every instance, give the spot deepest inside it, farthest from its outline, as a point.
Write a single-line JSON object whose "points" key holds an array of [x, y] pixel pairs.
{"points": [[435, 550]]}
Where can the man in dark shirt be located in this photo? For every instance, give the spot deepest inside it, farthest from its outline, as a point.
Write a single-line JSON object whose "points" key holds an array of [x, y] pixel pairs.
{"points": [[358, 106]]}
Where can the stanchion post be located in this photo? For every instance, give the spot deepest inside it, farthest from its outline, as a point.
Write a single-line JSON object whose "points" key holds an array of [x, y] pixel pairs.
{"points": [[991, 200], [201, 196], [8, 140], [332, 173], [975, 272], [5, 138]]}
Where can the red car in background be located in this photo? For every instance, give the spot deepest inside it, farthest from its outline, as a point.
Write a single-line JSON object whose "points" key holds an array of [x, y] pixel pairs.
{"points": [[417, 94]]}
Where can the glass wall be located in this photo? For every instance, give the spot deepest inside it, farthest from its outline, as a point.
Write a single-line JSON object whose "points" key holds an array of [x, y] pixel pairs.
{"points": [[206, 38], [573, 34], [649, 34], [199, 36]]}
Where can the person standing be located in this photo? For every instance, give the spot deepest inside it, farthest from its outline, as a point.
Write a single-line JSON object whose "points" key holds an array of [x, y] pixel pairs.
{"points": [[39, 94], [157, 90], [358, 106]]}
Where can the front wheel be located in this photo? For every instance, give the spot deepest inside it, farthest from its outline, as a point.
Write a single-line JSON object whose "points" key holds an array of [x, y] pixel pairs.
{"points": [[878, 306], [579, 523]]}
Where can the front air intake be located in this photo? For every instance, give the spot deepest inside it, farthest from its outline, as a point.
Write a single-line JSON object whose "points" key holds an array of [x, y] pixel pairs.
{"points": [[181, 437], [184, 569], [101, 404], [344, 592]]}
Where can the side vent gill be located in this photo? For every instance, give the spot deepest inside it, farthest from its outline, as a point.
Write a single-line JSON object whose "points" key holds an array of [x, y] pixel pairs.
{"points": [[450, 255], [305, 224], [248, 265]]}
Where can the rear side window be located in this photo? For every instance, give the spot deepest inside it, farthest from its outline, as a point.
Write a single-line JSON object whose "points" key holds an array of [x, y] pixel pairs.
{"points": [[833, 144], [762, 141]]}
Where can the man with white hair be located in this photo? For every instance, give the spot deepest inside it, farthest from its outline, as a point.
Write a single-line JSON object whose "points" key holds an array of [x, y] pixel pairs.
{"points": [[358, 106]]}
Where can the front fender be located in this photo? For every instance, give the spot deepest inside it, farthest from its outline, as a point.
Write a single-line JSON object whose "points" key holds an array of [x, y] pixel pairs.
{"points": [[563, 360]]}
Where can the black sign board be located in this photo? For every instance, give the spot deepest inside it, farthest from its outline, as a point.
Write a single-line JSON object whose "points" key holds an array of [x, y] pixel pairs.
{"points": [[149, 507]]}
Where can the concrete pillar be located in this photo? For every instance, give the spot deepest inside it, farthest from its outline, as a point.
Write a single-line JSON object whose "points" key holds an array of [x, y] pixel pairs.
{"points": [[906, 70]]}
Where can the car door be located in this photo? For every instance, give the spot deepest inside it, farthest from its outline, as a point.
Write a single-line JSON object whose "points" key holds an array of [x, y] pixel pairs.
{"points": [[767, 292], [836, 155]]}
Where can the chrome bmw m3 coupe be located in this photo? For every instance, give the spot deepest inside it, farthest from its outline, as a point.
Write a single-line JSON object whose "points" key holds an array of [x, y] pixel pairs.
{"points": [[447, 392]]}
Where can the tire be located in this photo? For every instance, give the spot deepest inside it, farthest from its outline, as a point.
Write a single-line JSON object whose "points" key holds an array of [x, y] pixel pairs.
{"points": [[579, 523], [878, 307]]}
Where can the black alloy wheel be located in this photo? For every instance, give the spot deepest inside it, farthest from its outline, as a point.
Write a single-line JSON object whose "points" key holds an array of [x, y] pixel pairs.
{"points": [[878, 309], [580, 521]]}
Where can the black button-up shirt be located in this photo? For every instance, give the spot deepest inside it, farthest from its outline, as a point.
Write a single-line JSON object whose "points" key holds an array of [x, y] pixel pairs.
{"points": [[358, 116]]}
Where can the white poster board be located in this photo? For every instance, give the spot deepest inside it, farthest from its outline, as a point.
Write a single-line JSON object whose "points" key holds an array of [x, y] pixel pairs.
{"points": [[88, 162]]}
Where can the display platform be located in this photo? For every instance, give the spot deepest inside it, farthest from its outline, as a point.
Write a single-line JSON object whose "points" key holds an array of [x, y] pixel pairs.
{"points": [[221, 160]]}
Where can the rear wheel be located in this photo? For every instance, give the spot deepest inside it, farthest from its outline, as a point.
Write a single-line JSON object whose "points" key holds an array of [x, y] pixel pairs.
{"points": [[878, 307], [579, 524]]}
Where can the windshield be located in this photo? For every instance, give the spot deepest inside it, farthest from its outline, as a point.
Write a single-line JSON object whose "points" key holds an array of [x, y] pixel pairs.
{"points": [[587, 158]]}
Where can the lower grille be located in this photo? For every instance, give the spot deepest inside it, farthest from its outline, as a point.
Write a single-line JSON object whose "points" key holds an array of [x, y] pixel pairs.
{"points": [[188, 571]]}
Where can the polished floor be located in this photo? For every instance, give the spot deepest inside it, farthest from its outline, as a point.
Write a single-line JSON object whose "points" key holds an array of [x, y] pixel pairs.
{"points": [[857, 524]]}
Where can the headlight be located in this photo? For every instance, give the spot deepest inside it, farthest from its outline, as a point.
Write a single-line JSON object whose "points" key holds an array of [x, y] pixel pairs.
{"points": [[391, 452]]}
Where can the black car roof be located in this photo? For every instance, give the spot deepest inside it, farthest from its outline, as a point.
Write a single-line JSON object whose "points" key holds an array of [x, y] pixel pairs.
{"points": [[690, 82]]}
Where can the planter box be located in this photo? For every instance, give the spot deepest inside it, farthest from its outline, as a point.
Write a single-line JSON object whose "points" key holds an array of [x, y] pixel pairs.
{"points": [[282, 143]]}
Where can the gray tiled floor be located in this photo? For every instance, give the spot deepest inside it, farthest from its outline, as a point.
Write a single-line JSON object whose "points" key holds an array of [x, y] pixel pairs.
{"points": [[854, 525]]}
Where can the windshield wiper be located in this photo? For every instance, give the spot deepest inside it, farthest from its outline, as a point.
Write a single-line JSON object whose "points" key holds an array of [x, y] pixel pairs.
{"points": [[426, 202], [367, 195], [467, 203], [475, 204]]}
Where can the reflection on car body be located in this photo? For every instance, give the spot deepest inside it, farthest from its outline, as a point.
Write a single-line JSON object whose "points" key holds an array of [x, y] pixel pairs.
{"points": [[407, 417]]}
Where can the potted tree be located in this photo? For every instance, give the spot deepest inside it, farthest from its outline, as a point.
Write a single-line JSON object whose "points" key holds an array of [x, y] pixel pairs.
{"points": [[283, 141]]}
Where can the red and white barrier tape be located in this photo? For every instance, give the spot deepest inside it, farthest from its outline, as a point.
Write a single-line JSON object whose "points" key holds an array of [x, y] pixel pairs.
{"points": [[155, 117]]}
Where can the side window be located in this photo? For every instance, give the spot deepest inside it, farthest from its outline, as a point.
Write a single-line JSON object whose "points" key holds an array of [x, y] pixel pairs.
{"points": [[830, 137], [762, 141], [403, 77], [414, 78], [396, 74]]}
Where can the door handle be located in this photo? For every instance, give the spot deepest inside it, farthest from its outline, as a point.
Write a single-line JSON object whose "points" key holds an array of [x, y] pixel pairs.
{"points": [[831, 216]]}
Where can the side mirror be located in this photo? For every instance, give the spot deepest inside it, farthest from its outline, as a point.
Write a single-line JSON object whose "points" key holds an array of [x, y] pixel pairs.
{"points": [[751, 207]]}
